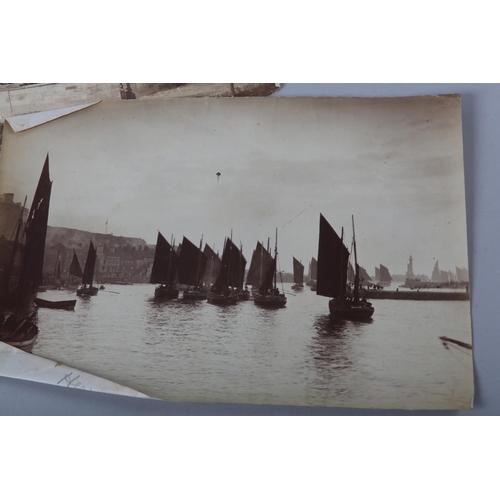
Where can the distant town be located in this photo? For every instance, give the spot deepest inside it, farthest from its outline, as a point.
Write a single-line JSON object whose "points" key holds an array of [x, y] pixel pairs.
{"points": [[128, 258]]}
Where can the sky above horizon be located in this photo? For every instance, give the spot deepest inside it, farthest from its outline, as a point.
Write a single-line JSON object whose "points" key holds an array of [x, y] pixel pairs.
{"points": [[396, 164]]}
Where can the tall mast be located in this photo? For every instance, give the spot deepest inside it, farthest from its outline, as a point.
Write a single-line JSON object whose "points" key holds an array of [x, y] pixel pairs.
{"points": [[230, 259], [16, 244], [356, 268], [55, 266], [341, 263], [239, 264], [261, 257], [276, 257], [198, 277], [172, 242]]}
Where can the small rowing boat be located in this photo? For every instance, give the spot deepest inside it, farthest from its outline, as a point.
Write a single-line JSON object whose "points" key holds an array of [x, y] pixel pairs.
{"points": [[68, 305]]}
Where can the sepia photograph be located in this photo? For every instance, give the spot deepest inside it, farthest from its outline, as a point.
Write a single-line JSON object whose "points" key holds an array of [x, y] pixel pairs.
{"points": [[307, 251]]}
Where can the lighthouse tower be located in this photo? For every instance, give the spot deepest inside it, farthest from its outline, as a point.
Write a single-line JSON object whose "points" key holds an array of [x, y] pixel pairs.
{"points": [[409, 270]]}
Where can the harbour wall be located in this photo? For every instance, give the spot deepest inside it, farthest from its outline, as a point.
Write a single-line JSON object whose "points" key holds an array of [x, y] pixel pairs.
{"points": [[413, 295]]}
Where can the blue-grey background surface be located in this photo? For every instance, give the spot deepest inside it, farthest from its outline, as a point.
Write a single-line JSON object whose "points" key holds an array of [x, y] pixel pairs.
{"points": [[481, 129]]}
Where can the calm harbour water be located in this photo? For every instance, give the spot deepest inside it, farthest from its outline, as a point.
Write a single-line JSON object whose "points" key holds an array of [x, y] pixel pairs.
{"points": [[245, 354]]}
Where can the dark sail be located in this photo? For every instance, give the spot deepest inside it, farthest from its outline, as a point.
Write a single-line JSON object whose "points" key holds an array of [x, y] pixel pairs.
{"points": [[267, 262], [377, 274], [164, 268], [242, 262], [254, 269], [384, 274], [192, 263], [267, 283], [15, 250], [75, 269], [88, 271], [314, 269], [363, 275], [332, 262], [230, 268], [237, 266], [58, 271], [298, 271], [35, 232], [212, 267], [261, 260]]}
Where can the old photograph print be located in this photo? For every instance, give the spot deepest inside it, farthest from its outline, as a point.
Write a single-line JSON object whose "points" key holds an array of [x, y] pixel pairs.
{"points": [[298, 251]]}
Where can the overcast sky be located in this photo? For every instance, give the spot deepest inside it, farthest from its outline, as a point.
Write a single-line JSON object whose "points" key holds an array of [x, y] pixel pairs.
{"points": [[394, 163]]}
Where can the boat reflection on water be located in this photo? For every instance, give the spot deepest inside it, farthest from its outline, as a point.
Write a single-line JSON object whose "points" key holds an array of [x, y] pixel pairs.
{"points": [[331, 353], [328, 325]]}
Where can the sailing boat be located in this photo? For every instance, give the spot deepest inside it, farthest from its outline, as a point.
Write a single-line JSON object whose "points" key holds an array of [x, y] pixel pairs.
{"points": [[164, 269], [87, 288], [313, 274], [74, 269], [333, 259], [17, 307], [259, 265], [243, 294], [269, 294], [364, 277], [225, 289], [192, 263], [385, 277], [68, 305], [298, 275], [212, 268], [56, 277]]}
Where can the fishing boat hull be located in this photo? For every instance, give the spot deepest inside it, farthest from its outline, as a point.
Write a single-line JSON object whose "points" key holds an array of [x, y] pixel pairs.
{"points": [[271, 301], [22, 334], [244, 295], [221, 300], [68, 305], [314, 287], [87, 291], [194, 295], [24, 345], [349, 310], [298, 287], [166, 293]]}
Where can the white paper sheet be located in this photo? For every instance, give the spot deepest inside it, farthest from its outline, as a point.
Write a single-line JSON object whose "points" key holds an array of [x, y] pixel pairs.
{"points": [[15, 363]]}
